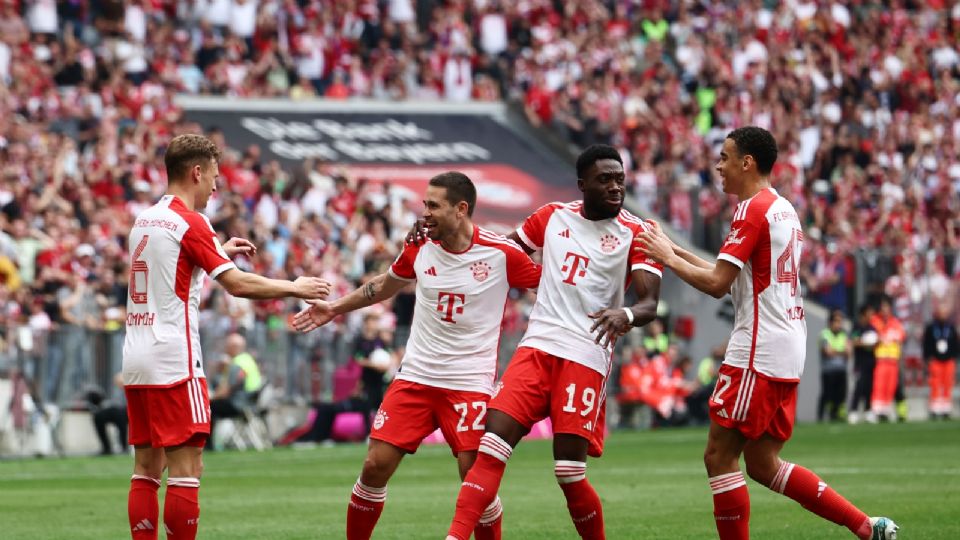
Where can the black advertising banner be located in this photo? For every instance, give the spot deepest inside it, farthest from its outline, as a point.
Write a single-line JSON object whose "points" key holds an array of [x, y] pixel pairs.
{"points": [[514, 175]]}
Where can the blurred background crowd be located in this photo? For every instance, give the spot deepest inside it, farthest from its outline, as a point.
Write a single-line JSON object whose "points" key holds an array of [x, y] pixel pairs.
{"points": [[863, 97]]}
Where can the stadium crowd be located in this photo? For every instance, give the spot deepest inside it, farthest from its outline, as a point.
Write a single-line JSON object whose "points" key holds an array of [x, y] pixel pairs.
{"points": [[863, 98]]}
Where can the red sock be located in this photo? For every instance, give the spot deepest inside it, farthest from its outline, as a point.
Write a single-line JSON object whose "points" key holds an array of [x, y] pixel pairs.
{"points": [[731, 506], [181, 508], [815, 495], [479, 488], [582, 500], [143, 508], [488, 528], [366, 505]]}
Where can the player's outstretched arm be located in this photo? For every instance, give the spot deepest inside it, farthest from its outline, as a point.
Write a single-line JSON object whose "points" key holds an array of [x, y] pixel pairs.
{"points": [[713, 279], [320, 313], [256, 287]]}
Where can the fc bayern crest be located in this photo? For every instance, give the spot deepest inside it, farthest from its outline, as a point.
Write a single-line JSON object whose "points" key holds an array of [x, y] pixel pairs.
{"points": [[608, 243], [481, 270], [380, 419]]}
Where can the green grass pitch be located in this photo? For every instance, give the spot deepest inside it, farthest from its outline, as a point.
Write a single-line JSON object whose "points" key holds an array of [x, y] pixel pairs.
{"points": [[652, 484]]}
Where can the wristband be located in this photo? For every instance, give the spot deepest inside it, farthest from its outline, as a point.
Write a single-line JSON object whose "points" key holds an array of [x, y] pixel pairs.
{"points": [[629, 315]]}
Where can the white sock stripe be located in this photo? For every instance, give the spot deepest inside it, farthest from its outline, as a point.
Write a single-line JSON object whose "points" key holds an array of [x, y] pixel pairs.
{"points": [[148, 478], [786, 477], [369, 489], [494, 446], [776, 477], [724, 476], [372, 494], [492, 512], [183, 481], [494, 441], [731, 487], [727, 483]]}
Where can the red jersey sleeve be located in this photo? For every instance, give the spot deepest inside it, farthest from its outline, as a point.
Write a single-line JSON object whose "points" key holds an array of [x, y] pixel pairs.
{"points": [[203, 249], [534, 227], [522, 272], [639, 261], [745, 231], [402, 268]]}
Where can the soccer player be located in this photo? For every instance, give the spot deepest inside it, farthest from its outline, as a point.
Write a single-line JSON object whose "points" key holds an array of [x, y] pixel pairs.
{"points": [[463, 275], [561, 366], [172, 245], [753, 405]]}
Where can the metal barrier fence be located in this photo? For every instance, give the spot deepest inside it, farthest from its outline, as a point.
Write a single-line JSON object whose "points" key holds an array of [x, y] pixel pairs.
{"points": [[62, 364]]}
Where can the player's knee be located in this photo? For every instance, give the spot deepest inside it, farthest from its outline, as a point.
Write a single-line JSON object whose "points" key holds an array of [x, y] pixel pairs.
{"points": [[717, 461], [760, 470], [376, 470]]}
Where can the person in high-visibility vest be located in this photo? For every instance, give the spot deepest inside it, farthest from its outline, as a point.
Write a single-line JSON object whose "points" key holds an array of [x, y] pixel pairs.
{"points": [[835, 351], [891, 336], [655, 341], [236, 349], [941, 347]]}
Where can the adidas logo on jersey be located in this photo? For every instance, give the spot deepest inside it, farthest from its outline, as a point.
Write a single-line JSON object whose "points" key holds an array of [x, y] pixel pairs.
{"points": [[723, 413], [432, 271], [565, 233], [144, 525]]}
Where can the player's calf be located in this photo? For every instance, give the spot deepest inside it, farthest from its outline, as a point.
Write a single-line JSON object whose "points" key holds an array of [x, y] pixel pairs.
{"points": [[815, 495], [582, 500], [480, 487], [364, 509], [143, 507]]}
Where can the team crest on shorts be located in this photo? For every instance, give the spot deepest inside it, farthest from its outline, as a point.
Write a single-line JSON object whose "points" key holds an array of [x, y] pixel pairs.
{"points": [[380, 419], [496, 389], [481, 270], [608, 243]]}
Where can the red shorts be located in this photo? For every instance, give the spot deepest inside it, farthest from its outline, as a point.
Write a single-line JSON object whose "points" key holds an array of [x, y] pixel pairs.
{"points": [[537, 385], [173, 416], [754, 404], [410, 411]]}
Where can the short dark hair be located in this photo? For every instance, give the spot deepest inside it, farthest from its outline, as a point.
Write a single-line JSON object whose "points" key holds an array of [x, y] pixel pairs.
{"points": [[186, 151], [595, 153], [459, 188], [757, 142]]}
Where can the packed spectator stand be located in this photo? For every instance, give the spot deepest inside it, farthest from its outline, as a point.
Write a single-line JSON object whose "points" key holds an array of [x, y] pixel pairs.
{"points": [[864, 100]]}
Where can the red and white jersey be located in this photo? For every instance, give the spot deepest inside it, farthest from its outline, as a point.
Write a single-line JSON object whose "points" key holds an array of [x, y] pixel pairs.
{"points": [[586, 268], [171, 247], [460, 297], [769, 331]]}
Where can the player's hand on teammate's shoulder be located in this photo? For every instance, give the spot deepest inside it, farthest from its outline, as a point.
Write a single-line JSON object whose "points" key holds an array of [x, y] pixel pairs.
{"points": [[315, 315], [609, 324], [239, 246], [311, 287], [417, 234]]}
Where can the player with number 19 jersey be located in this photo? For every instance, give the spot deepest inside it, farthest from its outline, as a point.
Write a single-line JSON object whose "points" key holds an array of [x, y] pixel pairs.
{"points": [[559, 371]]}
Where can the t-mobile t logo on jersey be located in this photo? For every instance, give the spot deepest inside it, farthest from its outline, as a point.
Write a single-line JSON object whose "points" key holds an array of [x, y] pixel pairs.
{"points": [[575, 268], [447, 302]]}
